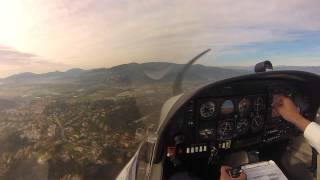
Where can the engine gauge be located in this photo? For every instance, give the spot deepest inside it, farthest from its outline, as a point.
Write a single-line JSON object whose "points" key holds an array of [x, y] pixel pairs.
{"points": [[207, 109], [257, 123], [225, 130], [258, 104], [244, 105], [242, 126]]}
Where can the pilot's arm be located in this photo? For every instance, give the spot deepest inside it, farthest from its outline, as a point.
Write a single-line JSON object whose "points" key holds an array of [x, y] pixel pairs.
{"points": [[288, 110]]}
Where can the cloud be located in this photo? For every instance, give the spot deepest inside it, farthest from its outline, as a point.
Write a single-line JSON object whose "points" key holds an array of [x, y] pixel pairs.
{"points": [[13, 61], [10, 56], [178, 29], [91, 33]]}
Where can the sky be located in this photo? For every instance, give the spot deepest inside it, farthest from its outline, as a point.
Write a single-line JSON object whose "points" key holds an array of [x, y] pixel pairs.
{"points": [[41, 36]]}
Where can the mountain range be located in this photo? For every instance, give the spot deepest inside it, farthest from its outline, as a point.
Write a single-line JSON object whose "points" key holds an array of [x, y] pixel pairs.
{"points": [[126, 73], [312, 69], [139, 73]]}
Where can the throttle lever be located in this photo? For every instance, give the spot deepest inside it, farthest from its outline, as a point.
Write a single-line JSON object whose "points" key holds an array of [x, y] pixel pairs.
{"points": [[213, 155]]}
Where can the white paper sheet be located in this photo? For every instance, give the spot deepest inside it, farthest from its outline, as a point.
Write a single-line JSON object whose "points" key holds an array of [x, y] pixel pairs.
{"points": [[266, 170]]}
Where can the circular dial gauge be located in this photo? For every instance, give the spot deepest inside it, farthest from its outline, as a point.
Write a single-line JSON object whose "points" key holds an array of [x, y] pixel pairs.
{"points": [[257, 123], [207, 109], [225, 130], [242, 126], [258, 104], [244, 105], [227, 107]]}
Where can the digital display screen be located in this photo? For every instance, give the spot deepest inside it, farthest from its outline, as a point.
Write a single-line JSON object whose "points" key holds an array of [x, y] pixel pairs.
{"points": [[227, 107]]}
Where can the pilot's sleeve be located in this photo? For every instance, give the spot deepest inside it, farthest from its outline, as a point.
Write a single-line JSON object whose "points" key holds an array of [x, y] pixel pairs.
{"points": [[312, 134]]}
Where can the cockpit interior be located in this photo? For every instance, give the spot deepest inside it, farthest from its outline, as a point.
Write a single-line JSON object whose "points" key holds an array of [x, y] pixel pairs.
{"points": [[232, 123]]}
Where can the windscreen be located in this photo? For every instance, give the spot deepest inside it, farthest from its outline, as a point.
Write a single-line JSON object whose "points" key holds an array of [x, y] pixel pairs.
{"points": [[83, 82]]}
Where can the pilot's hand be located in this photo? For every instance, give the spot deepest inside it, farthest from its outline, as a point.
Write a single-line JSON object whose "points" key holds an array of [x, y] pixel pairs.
{"points": [[288, 110], [225, 176]]}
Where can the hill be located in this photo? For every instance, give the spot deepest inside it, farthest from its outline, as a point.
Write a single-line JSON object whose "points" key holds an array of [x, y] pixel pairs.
{"points": [[312, 69], [127, 73]]}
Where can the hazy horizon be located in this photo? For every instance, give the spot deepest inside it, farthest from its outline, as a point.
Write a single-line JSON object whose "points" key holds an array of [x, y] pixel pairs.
{"points": [[249, 67]]}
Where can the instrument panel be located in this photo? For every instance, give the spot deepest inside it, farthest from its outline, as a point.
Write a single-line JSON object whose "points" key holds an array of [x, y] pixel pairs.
{"points": [[230, 117], [234, 117], [236, 121]]}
